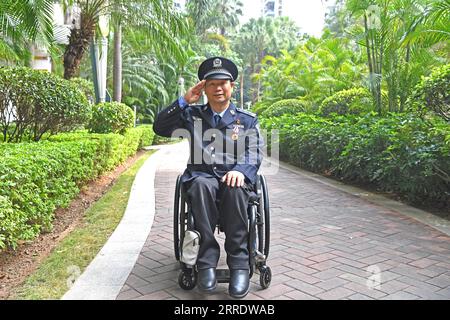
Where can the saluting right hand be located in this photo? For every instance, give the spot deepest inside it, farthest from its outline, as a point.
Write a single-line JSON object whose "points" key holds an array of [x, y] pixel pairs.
{"points": [[194, 93]]}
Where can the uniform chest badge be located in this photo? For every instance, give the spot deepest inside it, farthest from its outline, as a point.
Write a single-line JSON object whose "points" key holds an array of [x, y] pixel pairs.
{"points": [[236, 127]]}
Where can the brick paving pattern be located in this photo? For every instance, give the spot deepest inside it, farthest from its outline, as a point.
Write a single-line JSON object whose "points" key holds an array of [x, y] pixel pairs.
{"points": [[325, 244]]}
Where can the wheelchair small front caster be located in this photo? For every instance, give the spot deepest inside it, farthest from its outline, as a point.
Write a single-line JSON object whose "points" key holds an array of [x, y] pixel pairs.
{"points": [[187, 279], [265, 276]]}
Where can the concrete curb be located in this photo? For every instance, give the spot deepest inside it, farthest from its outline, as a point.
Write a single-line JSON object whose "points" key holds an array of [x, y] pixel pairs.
{"points": [[422, 216], [106, 274]]}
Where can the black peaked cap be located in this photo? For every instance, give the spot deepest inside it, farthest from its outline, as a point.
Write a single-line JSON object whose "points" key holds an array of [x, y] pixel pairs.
{"points": [[218, 68]]}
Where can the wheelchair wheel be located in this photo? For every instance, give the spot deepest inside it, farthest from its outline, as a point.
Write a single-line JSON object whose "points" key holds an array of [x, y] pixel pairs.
{"points": [[187, 279], [265, 276], [176, 218], [263, 218]]}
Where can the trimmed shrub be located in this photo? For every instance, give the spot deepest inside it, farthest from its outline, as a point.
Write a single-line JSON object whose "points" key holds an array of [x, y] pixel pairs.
{"points": [[37, 178], [352, 101], [13, 225], [433, 93], [111, 117], [147, 136], [87, 87], [288, 106], [34, 103], [260, 106], [398, 153]]}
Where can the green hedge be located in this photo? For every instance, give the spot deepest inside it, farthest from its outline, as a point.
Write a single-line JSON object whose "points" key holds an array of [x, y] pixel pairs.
{"points": [[35, 103], [37, 178], [288, 106], [432, 94], [399, 153], [87, 87], [351, 101], [111, 117]]}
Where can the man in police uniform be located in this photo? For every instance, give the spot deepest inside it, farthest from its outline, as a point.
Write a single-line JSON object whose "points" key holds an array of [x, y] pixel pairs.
{"points": [[224, 161]]}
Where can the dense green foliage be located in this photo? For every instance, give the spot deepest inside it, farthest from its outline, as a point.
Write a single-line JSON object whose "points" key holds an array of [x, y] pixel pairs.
{"points": [[401, 43], [111, 117], [313, 70], [384, 46], [433, 93], [288, 106], [399, 153], [87, 87], [351, 101], [39, 103], [372, 58], [22, 22], [37, 178]]}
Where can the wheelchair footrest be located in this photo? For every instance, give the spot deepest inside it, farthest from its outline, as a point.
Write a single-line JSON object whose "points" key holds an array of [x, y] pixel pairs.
{"points": [[223, 275]]}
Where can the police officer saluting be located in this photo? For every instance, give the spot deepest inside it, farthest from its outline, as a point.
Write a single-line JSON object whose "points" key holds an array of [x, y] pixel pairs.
{"points": [[224, 160]]}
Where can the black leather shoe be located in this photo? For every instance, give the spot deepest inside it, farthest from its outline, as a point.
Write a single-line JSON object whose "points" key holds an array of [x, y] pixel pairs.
{"points": [[239, 283], [207, 281]]}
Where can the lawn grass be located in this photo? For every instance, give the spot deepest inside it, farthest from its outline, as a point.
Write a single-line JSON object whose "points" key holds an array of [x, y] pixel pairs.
{"points": [[70, 257]]}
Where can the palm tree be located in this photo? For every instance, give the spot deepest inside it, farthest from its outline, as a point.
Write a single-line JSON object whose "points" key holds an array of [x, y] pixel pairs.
{"points": [[155, 17], [260, 37], [21, 23], [214, 16], [435, 27], [198, 13], [150, 72], [225, 15], [82, 34], [397, 55], [312, 71]]}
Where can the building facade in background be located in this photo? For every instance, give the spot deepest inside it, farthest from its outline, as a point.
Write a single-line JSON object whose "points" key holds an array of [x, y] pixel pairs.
{"points": [[63, 21], [179, 5], [272, 8]]}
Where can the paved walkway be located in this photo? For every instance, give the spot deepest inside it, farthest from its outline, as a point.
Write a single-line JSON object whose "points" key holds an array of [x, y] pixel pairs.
{"points": [[325, 244]]}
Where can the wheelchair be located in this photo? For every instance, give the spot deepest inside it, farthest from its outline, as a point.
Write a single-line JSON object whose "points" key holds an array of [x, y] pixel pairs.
{"points": [[258, 240]]}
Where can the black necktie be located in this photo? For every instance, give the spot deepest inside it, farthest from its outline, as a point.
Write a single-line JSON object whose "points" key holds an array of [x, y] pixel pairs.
{"points": [[216, 119]]}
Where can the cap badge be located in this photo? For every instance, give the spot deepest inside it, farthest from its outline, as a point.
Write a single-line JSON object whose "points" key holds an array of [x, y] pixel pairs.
{"points": [[217, 63]]}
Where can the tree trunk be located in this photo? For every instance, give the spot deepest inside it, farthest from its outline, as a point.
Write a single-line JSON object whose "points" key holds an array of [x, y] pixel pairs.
{"points": [[242, 89], [117, 68], [381, 62], [369, 58], [371, 62], [78, 44], [252, 85], [407, 78]]}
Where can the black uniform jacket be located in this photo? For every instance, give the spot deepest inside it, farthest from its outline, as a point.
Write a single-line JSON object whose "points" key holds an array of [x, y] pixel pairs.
{"points": [[235, 144]]}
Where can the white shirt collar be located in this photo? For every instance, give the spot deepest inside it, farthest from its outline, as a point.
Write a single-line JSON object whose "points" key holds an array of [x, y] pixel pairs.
{"points": [[221, 113]]}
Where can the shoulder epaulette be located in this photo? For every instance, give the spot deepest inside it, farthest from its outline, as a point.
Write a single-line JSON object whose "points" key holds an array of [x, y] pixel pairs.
{"points": [[251, 114], [197, 106], [200, 107]]}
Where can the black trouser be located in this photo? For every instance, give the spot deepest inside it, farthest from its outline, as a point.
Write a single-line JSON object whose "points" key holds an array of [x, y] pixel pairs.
{"points": [[232, 214]]}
